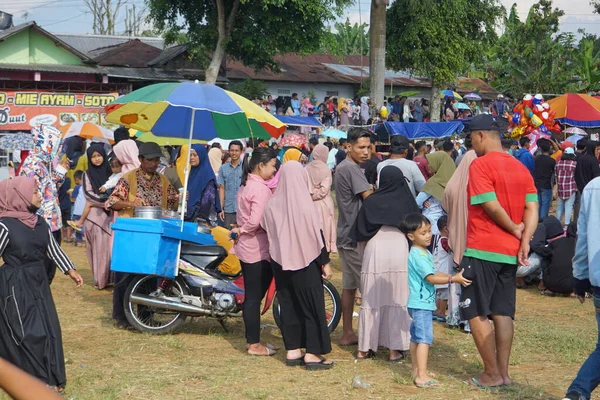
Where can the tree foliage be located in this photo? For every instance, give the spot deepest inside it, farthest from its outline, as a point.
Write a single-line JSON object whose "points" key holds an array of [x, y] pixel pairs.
{"points": [[251, 31], [251, 89], [348, 39], [531, 56], [440, 38]]}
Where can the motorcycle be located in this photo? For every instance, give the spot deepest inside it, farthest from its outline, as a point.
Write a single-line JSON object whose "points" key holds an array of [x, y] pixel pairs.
{"points": [[161, 305]]}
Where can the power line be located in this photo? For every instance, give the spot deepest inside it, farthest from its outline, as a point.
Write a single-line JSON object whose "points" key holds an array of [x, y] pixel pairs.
{"points": [[65, 20]]}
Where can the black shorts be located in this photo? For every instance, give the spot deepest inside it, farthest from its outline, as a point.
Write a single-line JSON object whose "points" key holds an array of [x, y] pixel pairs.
{"points": [[493, 291]]}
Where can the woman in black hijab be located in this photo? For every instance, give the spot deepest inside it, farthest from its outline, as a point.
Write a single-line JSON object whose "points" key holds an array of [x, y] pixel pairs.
{"points": [[384, 319], [98, 234], [587, 165], [73, 149]]}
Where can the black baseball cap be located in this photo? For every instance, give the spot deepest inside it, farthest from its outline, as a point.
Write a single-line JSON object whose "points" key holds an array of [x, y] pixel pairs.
{"points": [[150, 150], [399, 142], [485, 122]]}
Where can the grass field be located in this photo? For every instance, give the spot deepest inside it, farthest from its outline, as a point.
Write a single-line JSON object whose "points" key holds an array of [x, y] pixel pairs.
{"points": [[553, 337]]}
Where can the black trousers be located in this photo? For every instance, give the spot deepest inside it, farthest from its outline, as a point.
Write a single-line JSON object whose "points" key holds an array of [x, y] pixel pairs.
{"points": [[121, 283], [302, 302], [257, 278], [48, 263]]}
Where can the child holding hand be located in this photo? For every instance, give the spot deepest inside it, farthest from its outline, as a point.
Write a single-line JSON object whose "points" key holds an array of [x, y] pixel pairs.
{"points": [[422, 278]]}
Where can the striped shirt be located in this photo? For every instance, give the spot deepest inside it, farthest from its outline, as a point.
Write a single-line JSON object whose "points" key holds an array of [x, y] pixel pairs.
{"points": [[54, 251]]}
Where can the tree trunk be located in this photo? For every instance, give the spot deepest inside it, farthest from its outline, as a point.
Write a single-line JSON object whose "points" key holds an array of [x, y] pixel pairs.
{"points": [[224, 26], [212, 72], [377, 51], [435, 105]]}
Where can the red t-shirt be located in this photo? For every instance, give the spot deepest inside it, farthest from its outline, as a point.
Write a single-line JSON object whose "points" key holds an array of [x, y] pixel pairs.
{"points": [[496, 176]]}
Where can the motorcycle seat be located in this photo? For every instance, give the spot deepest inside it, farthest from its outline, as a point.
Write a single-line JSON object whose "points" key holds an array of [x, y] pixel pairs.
{"points": [[198, 250]]}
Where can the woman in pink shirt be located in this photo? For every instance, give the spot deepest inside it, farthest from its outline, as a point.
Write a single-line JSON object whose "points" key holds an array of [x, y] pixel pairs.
{"points": [[251, 243], [300, 262]]}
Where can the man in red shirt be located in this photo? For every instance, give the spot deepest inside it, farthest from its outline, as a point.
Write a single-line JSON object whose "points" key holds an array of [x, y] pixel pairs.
{"points": [[503, 215]]}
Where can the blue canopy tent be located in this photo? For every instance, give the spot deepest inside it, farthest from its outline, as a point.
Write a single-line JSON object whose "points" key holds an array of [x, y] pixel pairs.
{"points": [[418, 130], [300, 121]]}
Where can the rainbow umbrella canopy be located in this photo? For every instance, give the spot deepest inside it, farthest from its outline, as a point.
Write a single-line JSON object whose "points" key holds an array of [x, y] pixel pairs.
{"points": [[193, 110], [578, 110]]}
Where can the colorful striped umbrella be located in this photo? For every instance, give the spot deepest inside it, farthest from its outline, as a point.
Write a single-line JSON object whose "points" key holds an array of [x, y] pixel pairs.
{"points": [[193, 110], [87, 130], [164, 141], [578, 110], [450, 93]]}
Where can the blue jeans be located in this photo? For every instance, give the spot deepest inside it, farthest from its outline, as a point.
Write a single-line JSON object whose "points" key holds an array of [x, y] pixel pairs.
{"points": [[588, 376], [565, 207], [421, 327], [544, 198]]}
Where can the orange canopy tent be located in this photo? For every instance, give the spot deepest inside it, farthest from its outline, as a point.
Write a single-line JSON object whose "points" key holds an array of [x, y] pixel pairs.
{"points": [[578, 110]]}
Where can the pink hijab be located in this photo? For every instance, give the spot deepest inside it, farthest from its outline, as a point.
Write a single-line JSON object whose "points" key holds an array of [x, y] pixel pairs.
{"points": [[15, 198], [318, 170], [291, 221], [456, 203], [127, 152]]}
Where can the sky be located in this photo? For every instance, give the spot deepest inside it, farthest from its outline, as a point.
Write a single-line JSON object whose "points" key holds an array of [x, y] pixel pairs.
{"points": [[72, 16]]}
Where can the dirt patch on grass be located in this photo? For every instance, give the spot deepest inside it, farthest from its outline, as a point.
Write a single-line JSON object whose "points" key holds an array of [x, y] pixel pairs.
{"points": [[553, 337]]}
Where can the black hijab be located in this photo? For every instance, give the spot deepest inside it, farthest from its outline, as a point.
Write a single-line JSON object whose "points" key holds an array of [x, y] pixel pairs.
{"points": [[389, 205], [73, 148], [587, 166], [97, 175]]}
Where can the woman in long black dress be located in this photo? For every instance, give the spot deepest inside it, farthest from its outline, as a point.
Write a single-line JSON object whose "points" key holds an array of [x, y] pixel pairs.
{"points": [[30, 335], [300, 261]]}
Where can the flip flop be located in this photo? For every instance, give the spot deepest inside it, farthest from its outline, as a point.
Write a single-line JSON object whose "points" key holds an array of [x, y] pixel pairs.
{"points": [[271, 346], [483, 387], [294, 362], [427, 385], [370, 354], [318, 365], [72, 225], [270, 352]]}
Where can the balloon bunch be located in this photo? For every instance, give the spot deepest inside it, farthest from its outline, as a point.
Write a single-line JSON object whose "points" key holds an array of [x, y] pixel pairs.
{"points": [[532, 115]]}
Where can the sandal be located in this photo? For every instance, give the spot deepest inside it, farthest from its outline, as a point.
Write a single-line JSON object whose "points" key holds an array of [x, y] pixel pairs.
{"points": [[74, 226], [547, 293], [427, 385], [370, 354], [483, 387], [318, 365], [401, 357], [294, 362], [270, 352]]}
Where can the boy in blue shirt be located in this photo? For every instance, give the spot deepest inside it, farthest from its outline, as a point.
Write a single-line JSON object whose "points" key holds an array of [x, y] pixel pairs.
{"points": [[422, 278]]}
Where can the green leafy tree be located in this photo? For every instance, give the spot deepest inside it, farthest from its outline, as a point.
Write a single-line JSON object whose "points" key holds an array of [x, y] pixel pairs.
{"points": [[251, 89], [531, 56], [587, 67], [440, 39], [251, 31], [348, 39]]}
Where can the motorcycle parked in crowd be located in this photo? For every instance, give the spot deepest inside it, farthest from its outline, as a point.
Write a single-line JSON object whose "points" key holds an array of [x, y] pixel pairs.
{"points": [[161, 305]]}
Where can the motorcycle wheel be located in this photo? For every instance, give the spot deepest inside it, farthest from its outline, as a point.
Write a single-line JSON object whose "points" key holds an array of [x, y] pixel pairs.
{"points": [[154, 320], [333, 307]]}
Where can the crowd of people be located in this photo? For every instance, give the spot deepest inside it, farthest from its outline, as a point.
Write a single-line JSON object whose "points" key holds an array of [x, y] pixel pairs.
{"points": [[361, 111], [441, 232]]}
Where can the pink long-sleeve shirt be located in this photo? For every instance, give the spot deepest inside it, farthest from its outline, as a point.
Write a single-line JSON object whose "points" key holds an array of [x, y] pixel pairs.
{"points": [[253, 245]]}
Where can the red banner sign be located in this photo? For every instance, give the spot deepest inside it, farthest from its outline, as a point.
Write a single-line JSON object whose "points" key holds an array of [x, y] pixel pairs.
{"points": [[20, 110]]}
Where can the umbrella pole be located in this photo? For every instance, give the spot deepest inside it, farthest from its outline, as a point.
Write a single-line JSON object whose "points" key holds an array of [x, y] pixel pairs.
{"points": [[187, 170], [185, 187]]}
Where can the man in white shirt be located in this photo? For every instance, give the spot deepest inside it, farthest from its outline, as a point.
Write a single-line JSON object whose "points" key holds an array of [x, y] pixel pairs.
{"points": [[398, 153]]}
